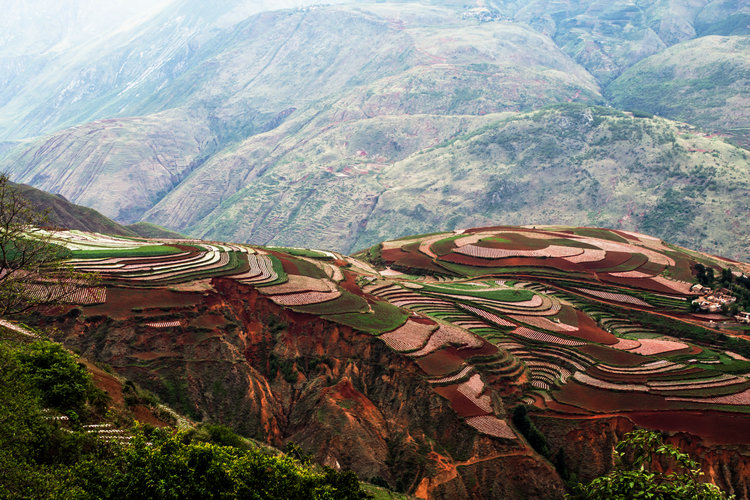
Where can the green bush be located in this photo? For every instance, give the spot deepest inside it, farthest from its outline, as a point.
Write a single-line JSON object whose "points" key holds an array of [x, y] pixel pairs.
{"points": [[171, 466], [641, 459], [524, 424], [62, 383]]}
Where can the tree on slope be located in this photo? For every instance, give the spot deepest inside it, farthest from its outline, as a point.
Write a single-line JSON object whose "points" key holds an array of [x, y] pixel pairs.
{"points": [[32, 270], [651, 469]]}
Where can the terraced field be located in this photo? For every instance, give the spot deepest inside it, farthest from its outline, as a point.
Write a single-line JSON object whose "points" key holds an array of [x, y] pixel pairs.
{"points": [[570, 320]]}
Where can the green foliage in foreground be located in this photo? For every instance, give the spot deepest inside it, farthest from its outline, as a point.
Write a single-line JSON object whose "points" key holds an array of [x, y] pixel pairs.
{"points": [[641, 456], [43, 458], [169, 465], [62, 383]]}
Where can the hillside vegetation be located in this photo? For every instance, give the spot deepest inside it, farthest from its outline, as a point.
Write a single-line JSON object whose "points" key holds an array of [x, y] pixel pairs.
{"points": [[58, 439], [702, 82]]}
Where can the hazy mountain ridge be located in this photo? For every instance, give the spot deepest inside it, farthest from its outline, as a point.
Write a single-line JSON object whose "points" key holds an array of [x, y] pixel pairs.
{"points": [[246, 120]]}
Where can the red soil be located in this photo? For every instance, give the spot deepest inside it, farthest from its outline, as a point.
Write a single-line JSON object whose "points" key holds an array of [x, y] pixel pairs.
{"points": [[422, 320], [635, 378], [286, 263], [588, 330], [350, 285], [624, 235], [641, 283], [553, 263], [462, 405], [515, 242], [406, 258], [607, 401], [466, 353], [563, 408]]}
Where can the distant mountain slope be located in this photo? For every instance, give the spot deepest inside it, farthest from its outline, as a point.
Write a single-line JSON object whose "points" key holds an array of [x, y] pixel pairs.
{"points": [[297, 66], [704, 82], [608, 36], [61, 213], [569, 164], [595, 166], [299, 126]]}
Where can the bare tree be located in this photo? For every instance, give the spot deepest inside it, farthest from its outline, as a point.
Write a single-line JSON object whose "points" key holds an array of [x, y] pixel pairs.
{"points": [[33, 271]]}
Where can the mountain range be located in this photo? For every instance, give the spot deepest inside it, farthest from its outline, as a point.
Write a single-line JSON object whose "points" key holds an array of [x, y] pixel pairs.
{"points": [[343, 125]]}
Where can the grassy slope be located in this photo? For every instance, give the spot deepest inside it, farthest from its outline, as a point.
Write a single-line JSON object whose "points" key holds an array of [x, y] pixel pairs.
{"points": [[703, 82], [573, 165]]}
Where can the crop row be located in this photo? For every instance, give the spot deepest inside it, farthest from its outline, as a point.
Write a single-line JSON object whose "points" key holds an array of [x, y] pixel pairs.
{"points": [[473, 389], [68, 293], [491, 425], [615, 297], [544, 323], [164, 324], [543, 337], [304, 298], [500, 253], [588, 255], [261, 271], [460, 376], [447, 335], [492, 318], [408, 337]]}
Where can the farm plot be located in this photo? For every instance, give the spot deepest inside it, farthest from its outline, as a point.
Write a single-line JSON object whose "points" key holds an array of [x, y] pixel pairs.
{"points": [[164, 324], [499, 253], [544, 323], [445, 336], [262, 269], [530, 334], [304, 298], [80, 240], [492, 426], [410, 337], [615, 297], [297, 284], [656, 346], [65, 293], [492, 318]]}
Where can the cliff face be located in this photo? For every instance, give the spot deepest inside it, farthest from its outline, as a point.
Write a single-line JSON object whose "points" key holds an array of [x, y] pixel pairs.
{"points": [[281, 376]]}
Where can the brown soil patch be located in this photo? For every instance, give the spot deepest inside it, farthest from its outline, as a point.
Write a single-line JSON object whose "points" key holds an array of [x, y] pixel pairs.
{"points": [[607, 401], [121, 301], [640, 283], [551, 263], [462, 405], [442, 362], [411, 259], [610, 260], [612, 356]]}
